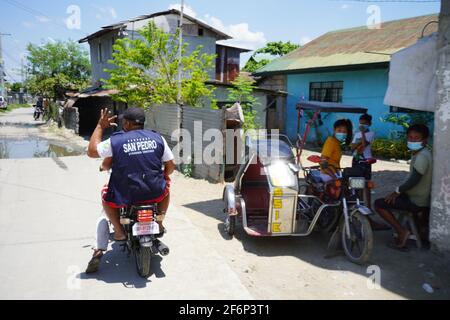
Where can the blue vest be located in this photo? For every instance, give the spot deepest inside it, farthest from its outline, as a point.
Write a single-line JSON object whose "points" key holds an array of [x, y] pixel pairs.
{"points": [[137, 174]]}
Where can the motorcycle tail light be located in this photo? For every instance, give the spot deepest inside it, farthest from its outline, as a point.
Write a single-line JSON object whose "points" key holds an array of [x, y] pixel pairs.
{"points": [[371, 185], [145, 216]]}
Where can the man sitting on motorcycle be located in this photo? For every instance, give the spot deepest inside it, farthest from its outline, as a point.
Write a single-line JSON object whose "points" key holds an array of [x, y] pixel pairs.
{"points": [[136, 157]]}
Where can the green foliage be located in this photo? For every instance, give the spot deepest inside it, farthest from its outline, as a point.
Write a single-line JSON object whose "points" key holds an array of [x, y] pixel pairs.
{"points": [[405, 120], [14, 87], [253, 65], [242, 92], [188, 170], [146, 70], [52, 112], [391, 149], [277, 49], [56, 68]]}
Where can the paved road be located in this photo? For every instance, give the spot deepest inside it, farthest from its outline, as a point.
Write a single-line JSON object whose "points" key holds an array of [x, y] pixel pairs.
{"points": [[48, 212], [48, 215]]}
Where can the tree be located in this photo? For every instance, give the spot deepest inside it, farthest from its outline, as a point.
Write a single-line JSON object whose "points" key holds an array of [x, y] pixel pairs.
{"points": [[242, 92], [56, 68], [276, 49], [146, 70], [14, 87]]}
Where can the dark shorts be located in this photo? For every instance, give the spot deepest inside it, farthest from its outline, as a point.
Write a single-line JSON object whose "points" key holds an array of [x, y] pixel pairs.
{"points": [[402, 203], [365, 168]]}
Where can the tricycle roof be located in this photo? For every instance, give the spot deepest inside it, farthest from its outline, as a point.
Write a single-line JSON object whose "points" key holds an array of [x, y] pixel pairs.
{"points": [[330, 107]]}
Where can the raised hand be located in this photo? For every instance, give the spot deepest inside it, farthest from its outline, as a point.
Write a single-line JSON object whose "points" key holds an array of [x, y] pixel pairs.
{"points": [[106, 121]]}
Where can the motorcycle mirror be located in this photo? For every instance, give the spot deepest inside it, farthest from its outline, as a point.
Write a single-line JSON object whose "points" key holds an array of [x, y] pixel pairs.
{"points": [[294, 167]]}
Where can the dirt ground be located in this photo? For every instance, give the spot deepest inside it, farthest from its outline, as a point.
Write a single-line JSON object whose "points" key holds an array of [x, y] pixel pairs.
{"points": [[296, 268]]}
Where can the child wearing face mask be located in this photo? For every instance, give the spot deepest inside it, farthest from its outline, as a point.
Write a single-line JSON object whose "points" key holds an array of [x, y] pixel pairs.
{"points": [[362, 145], [332, 150]]}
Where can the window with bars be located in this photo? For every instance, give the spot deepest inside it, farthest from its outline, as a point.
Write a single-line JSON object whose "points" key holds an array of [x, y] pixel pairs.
{"points": [[330, 91]]}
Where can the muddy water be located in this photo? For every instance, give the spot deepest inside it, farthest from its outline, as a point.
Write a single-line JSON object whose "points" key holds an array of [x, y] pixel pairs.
{"points": [[33, 147]]}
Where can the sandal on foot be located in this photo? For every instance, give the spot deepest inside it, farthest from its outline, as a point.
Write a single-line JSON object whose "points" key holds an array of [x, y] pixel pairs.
{"points": [[94, 264], [394, 246]]}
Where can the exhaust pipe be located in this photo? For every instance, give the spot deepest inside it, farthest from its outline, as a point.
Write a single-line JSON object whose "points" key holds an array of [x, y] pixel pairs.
{"points": [[161, 248]]}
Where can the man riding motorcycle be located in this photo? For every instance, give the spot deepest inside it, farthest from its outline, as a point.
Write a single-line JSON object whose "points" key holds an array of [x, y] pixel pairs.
{"points": [[136, 157]]}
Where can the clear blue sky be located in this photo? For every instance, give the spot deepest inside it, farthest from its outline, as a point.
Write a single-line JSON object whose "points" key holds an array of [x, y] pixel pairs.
{"points": [[252, 22]]}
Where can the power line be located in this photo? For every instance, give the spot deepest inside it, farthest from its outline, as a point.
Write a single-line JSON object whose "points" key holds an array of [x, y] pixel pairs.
{"points": [[36, 13]]}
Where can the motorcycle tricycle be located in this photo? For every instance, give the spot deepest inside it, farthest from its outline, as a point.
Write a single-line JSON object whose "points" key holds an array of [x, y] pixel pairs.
{"points": [[272, 200]]}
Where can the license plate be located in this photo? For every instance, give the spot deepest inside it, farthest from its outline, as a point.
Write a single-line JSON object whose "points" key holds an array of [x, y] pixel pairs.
{"points": [[146, 229]]}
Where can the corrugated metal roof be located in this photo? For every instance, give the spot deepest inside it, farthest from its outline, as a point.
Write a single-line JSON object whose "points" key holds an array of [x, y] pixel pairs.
{"points": [[355, 46], [220, 35]]}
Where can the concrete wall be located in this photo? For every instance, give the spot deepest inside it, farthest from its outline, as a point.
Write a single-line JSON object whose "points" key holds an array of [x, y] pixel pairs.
{"points": [[98, 67], [440, 213], [275, 82], [365, 88], [71, 119]]}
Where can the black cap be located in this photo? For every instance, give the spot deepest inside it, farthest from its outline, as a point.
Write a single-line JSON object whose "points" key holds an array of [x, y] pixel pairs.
{"points": [[136, 115]]}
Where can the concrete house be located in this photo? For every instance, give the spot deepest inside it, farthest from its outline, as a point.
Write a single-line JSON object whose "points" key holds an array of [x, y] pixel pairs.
{"points": [[195, 33], [348, 66]]}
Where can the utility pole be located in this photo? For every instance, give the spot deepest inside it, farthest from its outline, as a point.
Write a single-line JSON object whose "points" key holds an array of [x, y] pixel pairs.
{"points": [[2, 67], [440, 206], [180, 53]]}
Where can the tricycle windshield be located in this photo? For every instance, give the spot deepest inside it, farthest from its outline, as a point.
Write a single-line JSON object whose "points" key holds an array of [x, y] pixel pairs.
{"points": [[281, 175], [272, 149]]}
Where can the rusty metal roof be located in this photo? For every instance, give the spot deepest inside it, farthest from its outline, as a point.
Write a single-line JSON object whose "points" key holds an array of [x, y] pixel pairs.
{"points": [[353, 47]]}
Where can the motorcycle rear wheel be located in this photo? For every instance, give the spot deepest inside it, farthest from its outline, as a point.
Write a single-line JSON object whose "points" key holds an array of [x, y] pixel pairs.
{"points": [[143, 257], [361, 238]]}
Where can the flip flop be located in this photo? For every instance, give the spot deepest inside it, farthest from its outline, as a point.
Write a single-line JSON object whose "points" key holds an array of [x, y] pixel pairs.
{"points": [[94, 265], [394, 246], [402, 248]]}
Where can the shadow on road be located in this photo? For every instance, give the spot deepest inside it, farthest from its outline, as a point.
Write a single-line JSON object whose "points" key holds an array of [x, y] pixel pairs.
{"points": [[117, 267], [402, 273]]}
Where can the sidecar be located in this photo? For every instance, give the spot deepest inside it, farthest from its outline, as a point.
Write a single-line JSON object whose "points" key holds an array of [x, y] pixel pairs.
{"points": [[265, 191]]}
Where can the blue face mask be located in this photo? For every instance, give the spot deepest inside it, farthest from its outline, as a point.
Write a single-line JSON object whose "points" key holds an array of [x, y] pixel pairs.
{"points": [[341, 136], [366, 127], [415, 146]]}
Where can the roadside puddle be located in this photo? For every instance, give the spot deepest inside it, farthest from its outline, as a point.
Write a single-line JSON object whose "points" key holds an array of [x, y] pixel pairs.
{"points": [[36, 148]]}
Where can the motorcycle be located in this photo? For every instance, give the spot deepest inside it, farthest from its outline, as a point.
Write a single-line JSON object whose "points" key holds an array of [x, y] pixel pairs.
{"points": [[339, 206], [38, 113], [143, 234]]}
